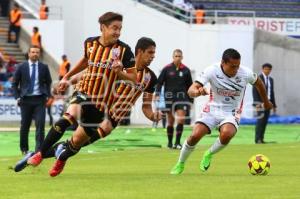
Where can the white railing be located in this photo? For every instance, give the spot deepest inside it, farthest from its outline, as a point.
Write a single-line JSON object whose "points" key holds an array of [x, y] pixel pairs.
{"points": [[32, 8], [211, 16]]}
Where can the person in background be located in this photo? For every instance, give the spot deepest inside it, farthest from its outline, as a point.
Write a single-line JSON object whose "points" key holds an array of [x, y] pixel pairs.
{"points": [[4, 7], [15, 17], [176, 79], [263, 114], [31, 87], [199, 15], [64, 67], [44, 10], [36, 38]]}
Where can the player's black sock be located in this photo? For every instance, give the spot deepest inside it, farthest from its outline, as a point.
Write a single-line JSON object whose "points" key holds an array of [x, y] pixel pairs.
{"points": [[93, 138], [170, 131], [69, 151], [56, 132], [51, 151], [179, 129]]}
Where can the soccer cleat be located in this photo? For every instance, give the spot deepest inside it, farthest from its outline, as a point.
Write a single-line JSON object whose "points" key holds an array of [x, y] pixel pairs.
{"points": [[170, 145], [57, 168], [22, 164], [177, 146], [205, 162], [177, 169], [35, 160]]}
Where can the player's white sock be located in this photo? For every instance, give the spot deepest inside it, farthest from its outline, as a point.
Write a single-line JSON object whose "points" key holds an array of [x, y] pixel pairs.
{"points": [[216, 147], [186, 150]]}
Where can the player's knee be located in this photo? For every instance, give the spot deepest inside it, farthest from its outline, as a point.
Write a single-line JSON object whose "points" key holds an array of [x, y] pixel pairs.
{"points": [[103, 132], [179, 127], [74, 110], [226, 136]]}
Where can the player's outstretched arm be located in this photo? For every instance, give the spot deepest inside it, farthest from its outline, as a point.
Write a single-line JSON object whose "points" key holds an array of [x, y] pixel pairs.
{"points": [[263, 94], [148, 109], [196, 89]]}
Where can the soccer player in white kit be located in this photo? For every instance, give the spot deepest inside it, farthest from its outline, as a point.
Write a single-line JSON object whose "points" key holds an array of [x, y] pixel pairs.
{"points": [[228, 81]]}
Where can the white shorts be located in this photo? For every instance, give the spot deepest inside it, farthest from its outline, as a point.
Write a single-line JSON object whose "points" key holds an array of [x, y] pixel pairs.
{"points": [[216, 121]]}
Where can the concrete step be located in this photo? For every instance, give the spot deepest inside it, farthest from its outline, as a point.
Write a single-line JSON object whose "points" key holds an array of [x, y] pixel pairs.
{"points": [[3, 44], [9, 48], [15, 54]]}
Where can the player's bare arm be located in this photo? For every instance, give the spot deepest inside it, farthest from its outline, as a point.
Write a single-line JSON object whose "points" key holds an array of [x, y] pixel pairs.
{"points": [[148, 109], [130, 73], [196, 89], [263, 94]]}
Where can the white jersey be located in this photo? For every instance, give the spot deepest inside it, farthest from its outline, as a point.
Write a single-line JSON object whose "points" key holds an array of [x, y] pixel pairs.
{"points": [[226, 93]]}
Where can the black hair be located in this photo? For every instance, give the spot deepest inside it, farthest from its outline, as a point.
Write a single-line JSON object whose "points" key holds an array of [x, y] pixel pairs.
{"points": [[143, 43], [230, 53], [267, 65]]}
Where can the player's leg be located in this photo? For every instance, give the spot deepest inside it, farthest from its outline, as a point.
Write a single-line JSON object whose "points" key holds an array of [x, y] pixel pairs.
{"points": [[56, 132], [170, 128], [81, 137], [180, 118], [227, 131], [199, 130]]}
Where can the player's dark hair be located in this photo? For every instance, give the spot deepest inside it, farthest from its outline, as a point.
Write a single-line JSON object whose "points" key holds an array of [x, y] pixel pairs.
{"points": [[144, 43], [108, 17], [230, 53], [267, 65]]}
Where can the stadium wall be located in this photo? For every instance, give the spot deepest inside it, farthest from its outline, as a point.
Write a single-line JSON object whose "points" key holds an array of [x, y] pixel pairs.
{"points": [[284, 54], [202, 45]]}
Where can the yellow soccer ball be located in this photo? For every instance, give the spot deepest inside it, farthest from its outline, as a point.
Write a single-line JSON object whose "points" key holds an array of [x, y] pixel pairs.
{"points": [[259, 165]]}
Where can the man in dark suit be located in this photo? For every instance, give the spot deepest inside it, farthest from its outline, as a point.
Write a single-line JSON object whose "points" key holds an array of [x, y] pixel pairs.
{"points": [[31, 86], [262, 114]]}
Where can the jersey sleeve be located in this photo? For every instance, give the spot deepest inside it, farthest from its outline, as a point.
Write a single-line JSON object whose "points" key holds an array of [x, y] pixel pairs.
{"points": [[153, 82], [128, 60], [86, 48], [251, 77], [204, 77]]}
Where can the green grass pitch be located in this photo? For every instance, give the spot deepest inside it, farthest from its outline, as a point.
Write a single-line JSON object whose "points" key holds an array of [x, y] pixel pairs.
{"points": [[135, 164]]}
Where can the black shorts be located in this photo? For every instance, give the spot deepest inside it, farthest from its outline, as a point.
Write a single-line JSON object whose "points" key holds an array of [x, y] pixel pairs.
{"points": [[174, 105], [91, 117]]}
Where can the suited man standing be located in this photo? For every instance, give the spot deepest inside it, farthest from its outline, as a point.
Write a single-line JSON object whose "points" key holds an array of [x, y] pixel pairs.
{"points": [[31, 86], [262, 114]]}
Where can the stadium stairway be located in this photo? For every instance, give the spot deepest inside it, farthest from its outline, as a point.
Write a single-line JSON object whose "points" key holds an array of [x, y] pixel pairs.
{"points": [[9, 49]]}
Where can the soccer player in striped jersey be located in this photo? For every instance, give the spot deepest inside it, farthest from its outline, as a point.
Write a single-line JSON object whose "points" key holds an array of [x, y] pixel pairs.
{"points": [[228, 82], [125, 97], [106, 59]]}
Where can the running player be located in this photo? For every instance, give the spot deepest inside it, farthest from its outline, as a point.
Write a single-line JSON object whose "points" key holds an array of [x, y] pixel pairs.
{"points": [[228, 82], [105, 60]]}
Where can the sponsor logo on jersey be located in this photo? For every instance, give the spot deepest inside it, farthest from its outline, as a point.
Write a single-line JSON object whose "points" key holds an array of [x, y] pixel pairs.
{"points": [[238, 79], [228, 93], [104, 64]]}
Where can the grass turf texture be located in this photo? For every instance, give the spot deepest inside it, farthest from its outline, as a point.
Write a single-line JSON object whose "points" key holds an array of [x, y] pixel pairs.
{"points": [[131, 165]]}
